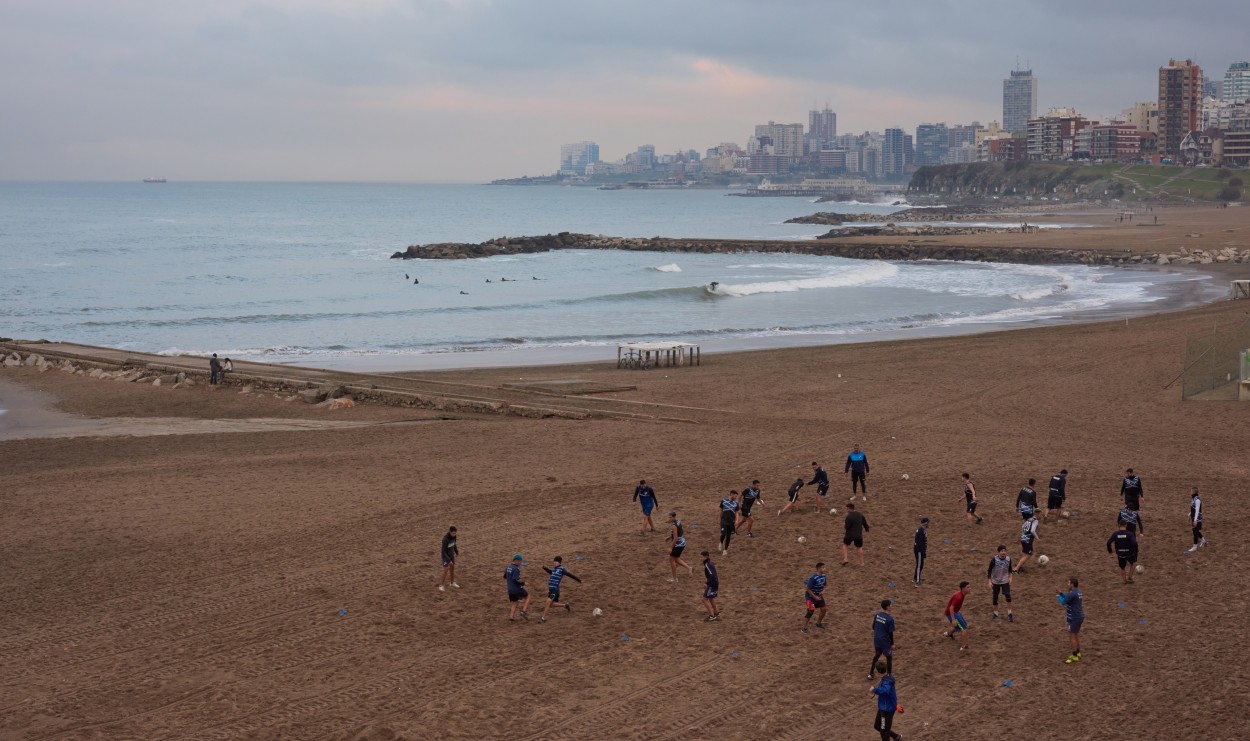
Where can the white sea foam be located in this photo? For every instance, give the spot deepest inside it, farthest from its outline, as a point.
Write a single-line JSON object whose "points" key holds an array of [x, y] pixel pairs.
{"points": [[671, 267], [844, 277]]}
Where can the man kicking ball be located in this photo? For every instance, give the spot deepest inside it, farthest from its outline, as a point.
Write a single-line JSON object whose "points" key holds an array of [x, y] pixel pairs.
{"points": [[815, 597], [558, 572]]}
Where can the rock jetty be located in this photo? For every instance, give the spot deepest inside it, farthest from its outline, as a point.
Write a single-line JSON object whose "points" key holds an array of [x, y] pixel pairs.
{"points": [[905, 249], [918, 214]]}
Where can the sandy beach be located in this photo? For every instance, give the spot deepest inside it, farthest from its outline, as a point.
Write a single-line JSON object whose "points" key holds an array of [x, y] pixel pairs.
{"points": [[245, 582]]}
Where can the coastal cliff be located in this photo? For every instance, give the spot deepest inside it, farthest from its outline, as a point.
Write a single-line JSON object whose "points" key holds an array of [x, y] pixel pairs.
{"points": [[903, 250]]}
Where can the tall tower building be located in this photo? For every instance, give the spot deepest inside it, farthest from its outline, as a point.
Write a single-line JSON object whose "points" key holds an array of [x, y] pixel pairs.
{"points": [[1237, 82], [1180, 104], [1019, 100], [822, 126], [893, 153], [575, 157]]}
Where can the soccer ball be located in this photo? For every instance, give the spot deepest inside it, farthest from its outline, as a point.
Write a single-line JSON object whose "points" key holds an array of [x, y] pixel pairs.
{"points": [[833, 510], [802, 539], [1043, 560], [1140, 569], [1066, 514], [906, 477], [596, 612]]}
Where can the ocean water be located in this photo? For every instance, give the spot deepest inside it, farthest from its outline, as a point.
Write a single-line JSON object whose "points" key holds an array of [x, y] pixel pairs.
{"points": [[301, 273]]}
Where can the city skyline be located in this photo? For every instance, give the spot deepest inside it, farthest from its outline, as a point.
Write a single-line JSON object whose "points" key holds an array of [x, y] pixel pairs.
{"points": [[472, 90]]}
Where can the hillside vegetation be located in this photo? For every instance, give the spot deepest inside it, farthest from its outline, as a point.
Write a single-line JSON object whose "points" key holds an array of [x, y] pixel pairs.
{"points": [[1071, 181]]}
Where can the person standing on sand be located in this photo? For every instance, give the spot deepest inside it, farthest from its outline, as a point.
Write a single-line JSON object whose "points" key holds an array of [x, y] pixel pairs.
{"points": [[793, 495], [557, 572], [517, 595], [449, 551], [728, 520], [1195, 519], [1026, 500], [645, 496], [970, 500], [1131, 490], [214, 370], [711, 587], [1124, 543], [998, 576], [1028, 535], [857, 467], [882, 639], [887, 705], [1058, 493], [954, 615], [921, 549], [856, 525], [1075, 613], [677, 535], [749, 497], [814, 596]]}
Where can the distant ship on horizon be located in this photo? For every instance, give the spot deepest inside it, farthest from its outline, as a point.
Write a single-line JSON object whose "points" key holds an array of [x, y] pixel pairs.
{"points": [[154, 180]]}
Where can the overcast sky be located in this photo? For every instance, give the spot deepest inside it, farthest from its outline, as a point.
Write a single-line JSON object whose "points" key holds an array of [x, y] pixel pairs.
{"points": [[469, 90]]}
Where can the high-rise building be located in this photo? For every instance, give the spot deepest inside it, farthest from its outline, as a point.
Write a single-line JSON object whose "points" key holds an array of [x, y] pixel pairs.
{"points": [[822, 127], [933, 141], [575, 157], [787, 139], [645, 157], [1237, 82], [1180, 104], [893, 153], [1019, 100]]}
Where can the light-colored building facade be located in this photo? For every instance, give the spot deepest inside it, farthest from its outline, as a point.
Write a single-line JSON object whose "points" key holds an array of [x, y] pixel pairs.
{"points": [[1180, 104], [1053, 136], [1236, 82], [1142, 116], [787, 139], [574, 158], [1019, 100]]}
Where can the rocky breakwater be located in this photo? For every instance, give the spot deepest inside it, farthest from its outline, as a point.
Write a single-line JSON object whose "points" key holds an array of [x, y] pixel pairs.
{"points": [[838, 243], [892, 230], [918, 214]]}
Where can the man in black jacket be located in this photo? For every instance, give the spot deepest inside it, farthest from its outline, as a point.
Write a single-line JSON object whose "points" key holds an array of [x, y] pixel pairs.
{"points": [[921, 549]]}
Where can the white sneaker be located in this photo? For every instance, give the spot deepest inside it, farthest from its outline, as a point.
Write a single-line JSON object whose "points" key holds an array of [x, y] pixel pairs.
{"points": [[457, 586], [1202, 543], [864, 498], [1191, 549], [440, 588]]}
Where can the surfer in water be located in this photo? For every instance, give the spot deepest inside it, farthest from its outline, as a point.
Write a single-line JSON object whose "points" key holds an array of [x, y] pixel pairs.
{"points": [[713, 286]]}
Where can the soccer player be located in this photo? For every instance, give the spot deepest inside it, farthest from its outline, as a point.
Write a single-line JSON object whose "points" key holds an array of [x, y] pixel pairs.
{"points": [[1058, 493], [645, 496], [882, 639], [449, 552], [557, 572], [1124, 543], [728, 520], [1026, 500], [1132, 519], [676, 534], [857, 466], [821, 480], [711, 587], [1071, 600], [1028, 535], [1131, 489], [517, 596], [887, 705], [955, 617], [815, 597], [750, 496], [970, 499], [856, 526], [793, 494], [998, 576], [1195, 519], [920, 548]]}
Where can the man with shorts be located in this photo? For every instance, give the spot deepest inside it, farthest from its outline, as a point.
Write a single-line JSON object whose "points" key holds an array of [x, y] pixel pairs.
{"points": [[856, 526], [1058, 493], [676, 535], [1124, 543], [857, 466], [728, 520], [821, 480], [1131, 490], [449, 551], [882, 639], [921, 549], [1028, 536], [1026, 500], [1071, 600], [999, 578], [955, 617], [793, 494], [517, 596], [645, 496], [887, 705], [970, 500], [711, 587], [557, 572], [815, 597], [1195, 520], [750, 496]]}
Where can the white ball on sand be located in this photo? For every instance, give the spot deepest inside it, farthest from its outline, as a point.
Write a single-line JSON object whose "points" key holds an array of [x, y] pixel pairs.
{"points": [[1066, 514], [596, 612], [1043, 560], [802, 539], [906, 477], [1140, 569], [833, 510]]}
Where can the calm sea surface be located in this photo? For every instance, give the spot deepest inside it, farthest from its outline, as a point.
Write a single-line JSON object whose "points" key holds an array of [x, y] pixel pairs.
{"points": [[300, 273]]}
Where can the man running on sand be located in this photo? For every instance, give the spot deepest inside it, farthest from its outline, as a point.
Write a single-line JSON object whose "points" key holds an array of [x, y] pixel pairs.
{"points": [[882, 639], [814, 595], [645, 496], [955, 617], [920, 548], [449, 551], [676, 535], [970, 500], [557, 572], [728, 520], [1195, 519], [793, 495], [711, 587], [856, 526], [821, 480], [749, 498], [857, 466]]}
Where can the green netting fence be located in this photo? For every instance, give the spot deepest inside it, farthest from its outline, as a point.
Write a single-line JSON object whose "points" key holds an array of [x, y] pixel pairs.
{"points": [[1215, 358]]}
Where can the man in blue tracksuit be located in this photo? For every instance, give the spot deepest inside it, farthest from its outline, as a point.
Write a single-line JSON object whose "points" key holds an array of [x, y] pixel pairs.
{"points": [[882, 639], [857, 467], [887, 705], [645, 496], [517, 594]]}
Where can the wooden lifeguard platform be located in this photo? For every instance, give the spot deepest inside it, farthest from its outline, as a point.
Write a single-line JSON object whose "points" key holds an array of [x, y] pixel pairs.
{"points": [[1239, 289], [642, 355]]}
